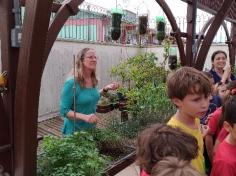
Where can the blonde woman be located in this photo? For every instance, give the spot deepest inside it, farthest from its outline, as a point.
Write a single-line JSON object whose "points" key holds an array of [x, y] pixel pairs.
{"points": [[81, 88]]}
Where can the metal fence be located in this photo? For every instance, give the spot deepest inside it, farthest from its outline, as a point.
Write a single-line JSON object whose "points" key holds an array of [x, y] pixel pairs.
{"points": [[93, 23], [220, 37]]}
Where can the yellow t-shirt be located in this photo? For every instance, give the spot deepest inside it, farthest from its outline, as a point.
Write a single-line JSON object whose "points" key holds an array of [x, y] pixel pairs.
{"points": [[198, 162]]}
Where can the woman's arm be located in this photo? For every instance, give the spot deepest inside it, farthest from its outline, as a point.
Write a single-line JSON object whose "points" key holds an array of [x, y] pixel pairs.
{"points": [[226, 74], [112, 86], [91, 118]]}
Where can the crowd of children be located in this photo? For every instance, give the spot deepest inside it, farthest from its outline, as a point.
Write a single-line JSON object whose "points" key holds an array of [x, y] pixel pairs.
{"points": [[177, 149]]}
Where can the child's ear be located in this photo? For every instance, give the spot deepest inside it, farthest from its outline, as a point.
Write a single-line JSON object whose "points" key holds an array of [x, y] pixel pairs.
{"points": [[176, 101], [227, 126]]}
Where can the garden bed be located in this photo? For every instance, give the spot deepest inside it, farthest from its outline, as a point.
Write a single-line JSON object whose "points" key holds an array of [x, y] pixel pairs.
{"points": [[120, 156]]}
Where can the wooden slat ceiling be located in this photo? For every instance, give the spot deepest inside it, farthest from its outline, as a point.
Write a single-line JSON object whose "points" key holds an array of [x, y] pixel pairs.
{"points": [[212, 6]]}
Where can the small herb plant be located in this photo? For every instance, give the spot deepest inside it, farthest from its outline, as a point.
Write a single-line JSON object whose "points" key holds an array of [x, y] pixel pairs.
{"points": [[75, 155]]}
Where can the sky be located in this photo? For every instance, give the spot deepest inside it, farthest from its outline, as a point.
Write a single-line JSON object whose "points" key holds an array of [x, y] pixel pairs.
{"points": [[143, 6], [150, 7]]}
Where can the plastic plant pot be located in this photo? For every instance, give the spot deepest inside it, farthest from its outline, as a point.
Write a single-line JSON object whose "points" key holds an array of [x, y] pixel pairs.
{"points": [[142, 27], [160, 25], [116, 23]]}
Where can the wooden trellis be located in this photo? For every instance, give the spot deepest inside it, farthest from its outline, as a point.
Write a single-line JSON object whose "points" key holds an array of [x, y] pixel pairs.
{"points": [[195, 52], [25, 65]]}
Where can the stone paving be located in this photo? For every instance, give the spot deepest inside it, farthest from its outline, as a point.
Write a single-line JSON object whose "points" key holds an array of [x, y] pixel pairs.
{"points": [[132, 170]]}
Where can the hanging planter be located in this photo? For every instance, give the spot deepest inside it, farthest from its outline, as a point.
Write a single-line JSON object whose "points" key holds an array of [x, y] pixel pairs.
{"points": [[116, 22], [160, 25], [142, 27], [172, 59]]}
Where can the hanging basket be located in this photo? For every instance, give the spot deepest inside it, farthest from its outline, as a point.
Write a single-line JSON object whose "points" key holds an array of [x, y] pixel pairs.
{"points": [[115, 33], [142, 27], [116, 23], [160, 25]]}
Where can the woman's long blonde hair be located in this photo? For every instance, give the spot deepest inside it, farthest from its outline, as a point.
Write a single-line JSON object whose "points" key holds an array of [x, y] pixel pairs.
{"points": [[80, 67]]}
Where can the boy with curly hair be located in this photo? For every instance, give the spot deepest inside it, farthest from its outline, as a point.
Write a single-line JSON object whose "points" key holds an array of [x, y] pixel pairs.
{"points": [[190, 91]]}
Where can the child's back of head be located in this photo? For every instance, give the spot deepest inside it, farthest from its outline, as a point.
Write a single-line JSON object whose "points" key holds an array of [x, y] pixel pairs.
{"points": [[172, 166], [231, 86], [160, 141], [229, 110], [188, 80]]}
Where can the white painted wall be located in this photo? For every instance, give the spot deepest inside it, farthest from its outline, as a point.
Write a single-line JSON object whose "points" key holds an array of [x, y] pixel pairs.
{"points": [[60, 62]]}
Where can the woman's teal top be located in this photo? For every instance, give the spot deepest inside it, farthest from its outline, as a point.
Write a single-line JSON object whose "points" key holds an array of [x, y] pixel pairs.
{"points": [[85, 103]]}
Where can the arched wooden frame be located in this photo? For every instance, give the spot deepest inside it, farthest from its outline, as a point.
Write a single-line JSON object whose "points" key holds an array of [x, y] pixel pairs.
{"points": [[19, 106], [25, 65], [219, 18], [175, 28], [198, 57], [202, 34]]}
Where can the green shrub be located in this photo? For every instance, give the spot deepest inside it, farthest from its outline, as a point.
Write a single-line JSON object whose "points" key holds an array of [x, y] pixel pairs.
{"points": [[144, 86], [75, 155]]}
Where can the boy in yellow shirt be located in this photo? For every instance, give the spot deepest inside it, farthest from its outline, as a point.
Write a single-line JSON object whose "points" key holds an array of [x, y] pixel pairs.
{"points": [[190, 90]]}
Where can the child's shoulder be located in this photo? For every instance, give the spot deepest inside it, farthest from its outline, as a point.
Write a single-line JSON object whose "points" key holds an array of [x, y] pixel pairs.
{"points": [[226, 152], [174, 122]]}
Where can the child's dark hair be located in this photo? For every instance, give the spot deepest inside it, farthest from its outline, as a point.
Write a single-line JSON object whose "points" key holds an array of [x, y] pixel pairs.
{"points": [[231, 86], [172, 166], [188, 80], [161, 140], [217, 52], [229, 110], [208, 74]]}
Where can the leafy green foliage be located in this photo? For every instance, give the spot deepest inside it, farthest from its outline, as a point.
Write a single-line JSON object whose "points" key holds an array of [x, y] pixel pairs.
{"points": [[145, 89], [105, 136], [75, 155], [138, 70], [109, 142]]}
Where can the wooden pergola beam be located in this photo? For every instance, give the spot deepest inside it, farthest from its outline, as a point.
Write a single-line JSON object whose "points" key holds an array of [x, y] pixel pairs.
{"points": [[24, 65], [34, 33], [65, 11], [232, 45], [55, 6], [190, 50], [9, 58], [220, 16]]}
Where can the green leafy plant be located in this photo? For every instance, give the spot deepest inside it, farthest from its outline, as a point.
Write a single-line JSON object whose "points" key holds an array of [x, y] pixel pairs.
{"points": [[109, 142], [145, 90], [75, 155]]}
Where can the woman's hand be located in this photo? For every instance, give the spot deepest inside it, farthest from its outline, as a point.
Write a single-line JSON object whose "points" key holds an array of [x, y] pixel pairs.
{"points": [[226, 74], [112, 86], [91, 118]]}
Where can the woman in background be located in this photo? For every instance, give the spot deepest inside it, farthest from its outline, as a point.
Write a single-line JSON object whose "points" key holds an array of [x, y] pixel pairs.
{"points": [[80, 95], [220, 71]]}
